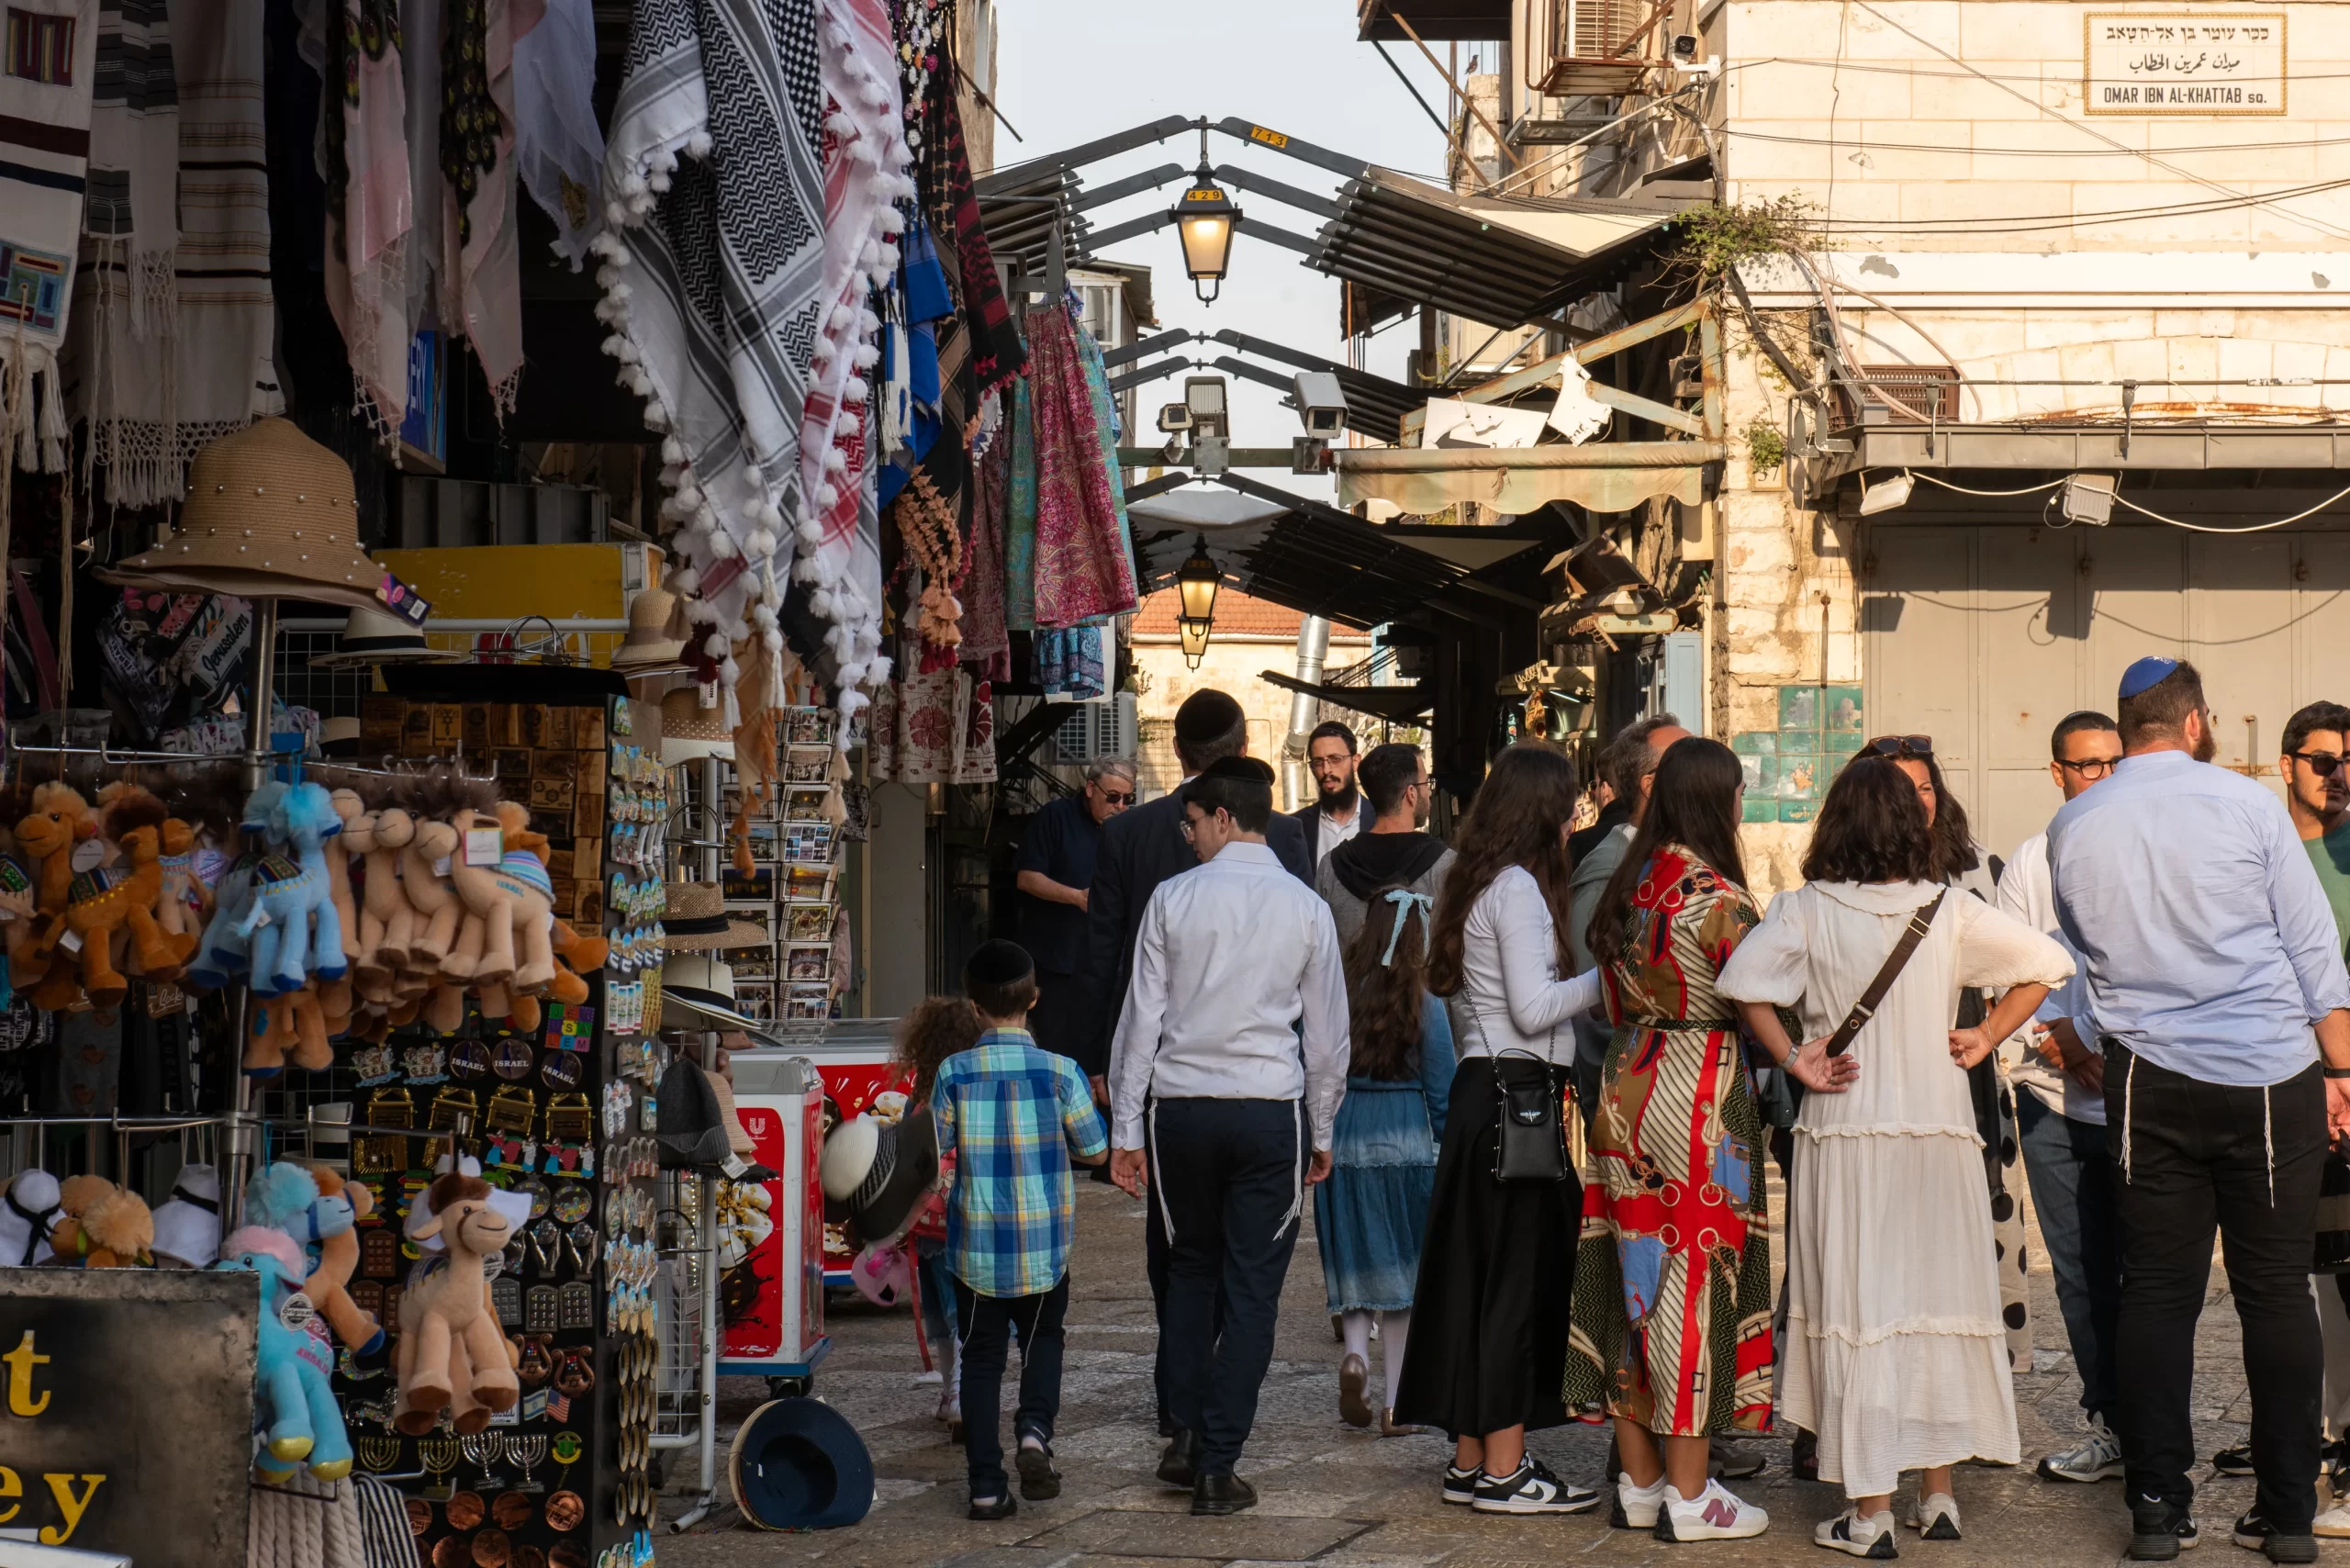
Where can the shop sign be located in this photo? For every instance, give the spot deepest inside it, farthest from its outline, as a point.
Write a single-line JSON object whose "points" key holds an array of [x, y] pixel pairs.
{"points": [[129, 1408], [2174, 62]]}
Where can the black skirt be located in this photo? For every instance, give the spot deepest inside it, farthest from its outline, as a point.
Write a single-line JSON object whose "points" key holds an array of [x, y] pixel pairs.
{"points": [[1488, 1346]]}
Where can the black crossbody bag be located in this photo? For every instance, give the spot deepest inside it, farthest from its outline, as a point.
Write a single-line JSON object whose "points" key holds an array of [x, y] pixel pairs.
{"points": [[1895, 962]]}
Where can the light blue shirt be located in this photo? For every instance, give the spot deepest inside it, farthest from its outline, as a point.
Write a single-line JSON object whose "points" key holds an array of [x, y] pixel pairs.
{"points": [[2205, 941]]}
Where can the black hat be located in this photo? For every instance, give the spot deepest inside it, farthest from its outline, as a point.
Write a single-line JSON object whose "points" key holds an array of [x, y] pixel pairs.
{"points": [[875, 1176], [690, 1134], [797, 1464], [1206, 715], [1240, 770], [997, 962]]}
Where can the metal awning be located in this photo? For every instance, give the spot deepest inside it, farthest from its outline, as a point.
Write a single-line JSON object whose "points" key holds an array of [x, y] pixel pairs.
{"points": [[1504, 261], [1602, 476], [1443, 20], [2102, 445], [1304, 555], [1398, 704]]}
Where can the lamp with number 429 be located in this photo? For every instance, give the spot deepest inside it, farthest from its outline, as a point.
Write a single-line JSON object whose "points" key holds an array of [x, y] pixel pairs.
{"points": [[1204, 217]]}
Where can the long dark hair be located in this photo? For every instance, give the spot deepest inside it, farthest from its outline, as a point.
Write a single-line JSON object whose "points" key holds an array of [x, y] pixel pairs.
{"points": [[1385, 993], [1693, 802], [936, 1027], [1955, 851], [1871, 828], [1518, 819]]}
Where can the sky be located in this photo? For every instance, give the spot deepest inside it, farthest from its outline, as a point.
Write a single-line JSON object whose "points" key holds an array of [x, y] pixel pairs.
{"points": [[1071, 71]]}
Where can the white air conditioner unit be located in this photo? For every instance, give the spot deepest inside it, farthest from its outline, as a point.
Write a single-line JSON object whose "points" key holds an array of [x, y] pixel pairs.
{"points": [[1100, 726]]}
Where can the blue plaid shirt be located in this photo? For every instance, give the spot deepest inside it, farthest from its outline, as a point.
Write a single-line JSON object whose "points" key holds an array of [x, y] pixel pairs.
{"points": [[1013, 1113]]}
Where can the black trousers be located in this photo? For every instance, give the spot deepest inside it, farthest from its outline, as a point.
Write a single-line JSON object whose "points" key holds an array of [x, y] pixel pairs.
{"points": [[1057, 1021], [1228, 1179], [2197, 1156], [988, 1323]]}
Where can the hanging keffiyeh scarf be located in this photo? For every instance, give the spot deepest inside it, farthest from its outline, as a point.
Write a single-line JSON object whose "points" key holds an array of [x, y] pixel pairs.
{"points": [[44, 157], [866, 158], [557, 144], [711, 283], [368, 203], [478, 159]]}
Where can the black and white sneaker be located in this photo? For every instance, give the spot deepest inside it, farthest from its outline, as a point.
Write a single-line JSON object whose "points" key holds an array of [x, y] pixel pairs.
{"points": [[2236, 1460], [1460, 1485], [2159, 1530], [2255, 1533], [1531, 1489]]}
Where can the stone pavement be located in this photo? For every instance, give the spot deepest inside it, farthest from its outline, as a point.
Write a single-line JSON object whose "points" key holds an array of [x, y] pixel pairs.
{"points": [[1333, 1495]]}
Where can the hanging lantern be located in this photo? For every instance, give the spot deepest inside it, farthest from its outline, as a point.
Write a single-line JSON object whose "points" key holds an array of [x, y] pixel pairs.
{"points": [[1195, 640], [1204, 218], [1197, 580]]}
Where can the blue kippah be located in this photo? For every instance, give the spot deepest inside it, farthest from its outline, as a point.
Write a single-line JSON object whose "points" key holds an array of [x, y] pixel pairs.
{"points": [[2152, 670]]}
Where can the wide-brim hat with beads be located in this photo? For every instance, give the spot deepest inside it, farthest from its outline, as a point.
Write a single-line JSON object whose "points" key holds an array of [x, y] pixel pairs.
{"points": [[270, 514], [695, 920]]}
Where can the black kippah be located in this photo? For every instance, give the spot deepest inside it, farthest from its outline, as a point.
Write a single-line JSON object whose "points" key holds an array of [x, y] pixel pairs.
{"points": [[997, 962], [1240, 769], [1206, 715]]}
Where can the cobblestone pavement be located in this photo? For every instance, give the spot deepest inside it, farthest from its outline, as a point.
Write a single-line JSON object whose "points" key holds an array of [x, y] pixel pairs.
{"points": [[1337, 1497]]}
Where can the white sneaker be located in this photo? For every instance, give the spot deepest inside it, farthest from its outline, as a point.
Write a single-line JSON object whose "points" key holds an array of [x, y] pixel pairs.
{"points": [[1857, 1537], [1636, 1507], [2096, 1457], [2335, 1523], [1715, 1514], [1936, 1517]]}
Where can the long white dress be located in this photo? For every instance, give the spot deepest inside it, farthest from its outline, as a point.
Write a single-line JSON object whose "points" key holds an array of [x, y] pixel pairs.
{"points": [[1896, 1350]]}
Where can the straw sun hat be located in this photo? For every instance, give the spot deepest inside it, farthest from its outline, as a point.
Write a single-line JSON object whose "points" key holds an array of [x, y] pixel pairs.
{"points": [[648, 645], [690, 731], [695, 921], [270, 514]]}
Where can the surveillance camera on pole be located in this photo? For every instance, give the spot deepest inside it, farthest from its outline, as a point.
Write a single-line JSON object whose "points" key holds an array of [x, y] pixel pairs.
{"points": [[1320, 402]]}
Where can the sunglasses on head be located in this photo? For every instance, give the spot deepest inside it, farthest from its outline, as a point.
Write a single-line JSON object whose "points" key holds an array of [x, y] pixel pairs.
{"points": [[2321, 763], [1901, 745]]}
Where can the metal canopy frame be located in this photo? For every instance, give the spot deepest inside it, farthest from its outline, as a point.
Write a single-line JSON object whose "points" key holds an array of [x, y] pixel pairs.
{"points": [[1375, 405]]}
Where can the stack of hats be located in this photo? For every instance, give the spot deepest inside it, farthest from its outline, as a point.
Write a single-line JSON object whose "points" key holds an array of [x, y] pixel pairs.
{"points": [[695, 929], [188, 1225], [690, 731], [270, 514], [875, 1176]]}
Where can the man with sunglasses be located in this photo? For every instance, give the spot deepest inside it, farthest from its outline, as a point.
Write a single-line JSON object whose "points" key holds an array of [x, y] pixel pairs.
{"points": [[1054, 872], [2060, 1121], [2214, 974]]}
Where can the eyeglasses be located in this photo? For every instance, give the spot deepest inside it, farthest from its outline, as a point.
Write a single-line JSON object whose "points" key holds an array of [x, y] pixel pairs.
{"points": [[1125, 800], [1901, 745], [2097, 767], [2321, 763]]}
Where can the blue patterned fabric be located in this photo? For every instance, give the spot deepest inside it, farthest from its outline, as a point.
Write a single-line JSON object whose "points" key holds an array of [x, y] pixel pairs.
{"points": [[1370, 1216], [1012, 1113]]}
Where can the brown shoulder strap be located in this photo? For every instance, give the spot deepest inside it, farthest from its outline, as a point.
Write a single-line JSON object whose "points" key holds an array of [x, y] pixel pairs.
{"points": [[1895, 962]]}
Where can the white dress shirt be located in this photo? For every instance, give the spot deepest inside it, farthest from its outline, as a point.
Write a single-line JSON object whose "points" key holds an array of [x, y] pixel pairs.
{"points": [[1511, 997], [1329, 832], [2025, 891], [1233, 956]]}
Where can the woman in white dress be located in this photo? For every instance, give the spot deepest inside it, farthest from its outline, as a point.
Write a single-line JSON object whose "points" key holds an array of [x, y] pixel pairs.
{"points": [[1895, 1351]]}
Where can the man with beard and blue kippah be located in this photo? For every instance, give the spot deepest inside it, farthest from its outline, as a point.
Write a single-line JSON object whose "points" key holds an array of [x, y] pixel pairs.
{"points": [[2215, 982]]}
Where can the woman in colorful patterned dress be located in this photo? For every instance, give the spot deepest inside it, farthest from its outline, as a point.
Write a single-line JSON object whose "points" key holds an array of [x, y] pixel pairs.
{"points": [[1671, 1322]]}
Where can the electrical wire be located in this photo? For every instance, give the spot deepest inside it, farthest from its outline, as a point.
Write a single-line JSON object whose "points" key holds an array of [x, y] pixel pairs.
{"points": [[2254, 528], [2061, 219], [2022, 151], [1962, 489]]}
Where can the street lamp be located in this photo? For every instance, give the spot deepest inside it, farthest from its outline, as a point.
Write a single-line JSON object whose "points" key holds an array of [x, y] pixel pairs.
{"points": [[1196, 582], [1204, 217]]}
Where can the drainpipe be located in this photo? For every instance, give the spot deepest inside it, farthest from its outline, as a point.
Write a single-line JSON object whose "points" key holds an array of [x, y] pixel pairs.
{"points": [[1313, 648]]}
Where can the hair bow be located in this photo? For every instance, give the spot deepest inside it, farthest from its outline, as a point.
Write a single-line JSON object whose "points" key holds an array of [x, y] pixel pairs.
{"points": [[1405, 901]]}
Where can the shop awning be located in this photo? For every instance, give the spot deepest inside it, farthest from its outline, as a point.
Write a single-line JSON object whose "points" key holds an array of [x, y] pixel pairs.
{"points": [[1603, 476], [1307, 556], [1440, 19], [2102, 446], [1504, 261], [1398, 704]]}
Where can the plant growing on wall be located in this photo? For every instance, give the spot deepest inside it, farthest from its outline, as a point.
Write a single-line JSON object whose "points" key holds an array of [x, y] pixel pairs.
{"points": [[1716, 238], [1766, 446]]}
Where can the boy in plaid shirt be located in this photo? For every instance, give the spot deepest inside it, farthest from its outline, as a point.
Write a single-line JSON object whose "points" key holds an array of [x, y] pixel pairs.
{"points": [[1015, 1116]]}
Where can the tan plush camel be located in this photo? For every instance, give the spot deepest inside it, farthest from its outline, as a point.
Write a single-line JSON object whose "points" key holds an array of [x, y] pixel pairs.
{"points": [[386, 924], [339, 1259], [450, 1353], [440, 914], [104, 900], [59, 820], [513, 900]]}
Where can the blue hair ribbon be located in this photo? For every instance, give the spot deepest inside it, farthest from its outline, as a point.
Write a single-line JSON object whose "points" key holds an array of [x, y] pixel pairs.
{"points": [[1405, 901]]}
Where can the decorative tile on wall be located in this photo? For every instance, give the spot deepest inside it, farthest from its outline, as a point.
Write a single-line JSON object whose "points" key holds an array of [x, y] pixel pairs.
{"points": [[1787, 768]]}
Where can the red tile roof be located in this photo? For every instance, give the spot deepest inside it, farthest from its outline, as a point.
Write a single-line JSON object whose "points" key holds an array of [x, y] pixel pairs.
{"points": [[1236, 615]]}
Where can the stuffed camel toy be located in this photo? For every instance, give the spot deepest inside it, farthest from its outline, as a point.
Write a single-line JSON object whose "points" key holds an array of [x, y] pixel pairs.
{"points": [[312, 1204], [450, 1353], [104, 1227]]}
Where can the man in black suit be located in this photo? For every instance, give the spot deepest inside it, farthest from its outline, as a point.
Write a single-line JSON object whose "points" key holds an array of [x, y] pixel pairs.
{"points": [[1335, 814], [1140, 849]]}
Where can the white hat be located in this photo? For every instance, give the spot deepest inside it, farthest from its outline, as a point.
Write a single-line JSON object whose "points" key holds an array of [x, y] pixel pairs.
{"points": [[690, 731], [27, 1211], [509, 1204], [376, 636], [701, 984], [188, 1225]]}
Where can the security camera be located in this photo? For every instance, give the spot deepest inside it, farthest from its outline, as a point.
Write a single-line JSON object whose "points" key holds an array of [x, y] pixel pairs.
{"points": [[1173, 417], [1321, 403]]}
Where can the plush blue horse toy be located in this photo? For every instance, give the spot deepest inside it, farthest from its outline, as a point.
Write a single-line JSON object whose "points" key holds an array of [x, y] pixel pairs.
{"points": [[293, 927], [294, 1365], [225, 951]]}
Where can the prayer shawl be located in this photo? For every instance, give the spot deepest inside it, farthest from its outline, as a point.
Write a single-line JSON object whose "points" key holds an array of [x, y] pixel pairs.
{"points": [[155, 396], [557, 143], [713, 258], [128, 212], [866, 158], [1084, 567], [368, 204], [45, 95]]}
